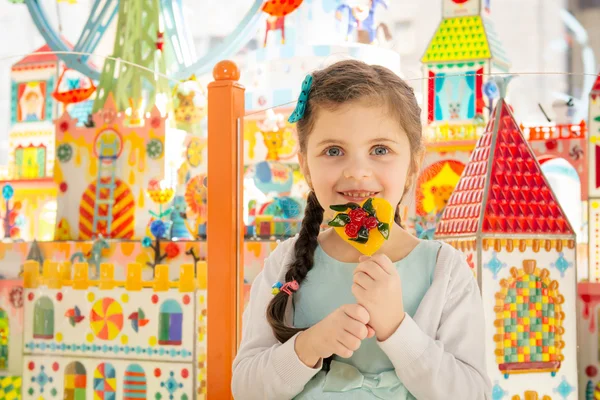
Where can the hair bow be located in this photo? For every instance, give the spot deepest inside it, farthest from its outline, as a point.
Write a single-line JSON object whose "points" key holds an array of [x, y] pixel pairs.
{"points": [[298, 113], [287, 288]]}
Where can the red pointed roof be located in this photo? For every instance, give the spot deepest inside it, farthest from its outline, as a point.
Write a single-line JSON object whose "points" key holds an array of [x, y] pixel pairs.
{"points": [[596, 87], [37, 58], [514, 196]]}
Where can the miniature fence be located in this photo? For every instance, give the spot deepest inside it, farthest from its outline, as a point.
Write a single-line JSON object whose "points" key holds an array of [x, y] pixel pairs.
{"points": [[56, 275]]}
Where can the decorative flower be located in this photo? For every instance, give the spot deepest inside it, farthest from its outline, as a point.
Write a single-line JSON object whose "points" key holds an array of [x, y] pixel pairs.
{"points": [[159, 193], [8, 192], [158, 228], [64, 152], [194, 152], [172, 250], [490, 89], [14, 232], [359, 221], [63, 126], [154, 149], [146, 242], [155, 122]]}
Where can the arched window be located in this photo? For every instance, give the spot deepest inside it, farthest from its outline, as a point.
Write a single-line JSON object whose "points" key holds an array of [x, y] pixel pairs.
{"points": [[43, 318], [170, 323], [134, 383], [75, 381], [105, 382]]}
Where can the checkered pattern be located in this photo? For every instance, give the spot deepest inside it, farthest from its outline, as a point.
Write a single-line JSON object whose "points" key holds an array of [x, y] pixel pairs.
{"points": [[529, 323], [10, 388]]}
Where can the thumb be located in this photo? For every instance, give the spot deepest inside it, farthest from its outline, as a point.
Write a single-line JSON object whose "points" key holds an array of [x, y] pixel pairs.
{"points": [[370, 332]]}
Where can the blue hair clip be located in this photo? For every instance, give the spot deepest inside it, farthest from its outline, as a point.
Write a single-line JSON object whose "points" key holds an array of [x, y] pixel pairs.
{"points": [[298, 113]]}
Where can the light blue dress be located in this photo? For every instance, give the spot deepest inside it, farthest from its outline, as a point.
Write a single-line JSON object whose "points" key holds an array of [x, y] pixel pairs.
{"points": [[369, 373]]}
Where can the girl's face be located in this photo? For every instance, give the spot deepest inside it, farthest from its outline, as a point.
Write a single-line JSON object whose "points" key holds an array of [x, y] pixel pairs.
{"points": [[355, 152]]}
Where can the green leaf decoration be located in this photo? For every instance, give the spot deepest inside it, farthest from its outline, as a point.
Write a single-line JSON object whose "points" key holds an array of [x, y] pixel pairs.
{"points": [[167, 212], [384, 229], [340, 220], [597, 119], [363, 236], [368, 207], [339, 207]]}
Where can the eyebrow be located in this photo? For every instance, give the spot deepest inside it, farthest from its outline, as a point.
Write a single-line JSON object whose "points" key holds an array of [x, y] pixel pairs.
{"points": [[376, 140]]}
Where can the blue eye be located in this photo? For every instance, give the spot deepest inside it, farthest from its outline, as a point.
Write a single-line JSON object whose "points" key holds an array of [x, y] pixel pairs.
{"points": [[380, 151], [333, 151]]}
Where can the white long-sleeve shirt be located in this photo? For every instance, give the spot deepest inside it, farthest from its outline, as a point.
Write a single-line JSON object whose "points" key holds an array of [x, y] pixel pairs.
{"points": [[437, 354]]}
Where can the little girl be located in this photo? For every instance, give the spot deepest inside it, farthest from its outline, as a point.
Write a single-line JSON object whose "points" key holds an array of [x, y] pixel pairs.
{"points": [[405, 323]]}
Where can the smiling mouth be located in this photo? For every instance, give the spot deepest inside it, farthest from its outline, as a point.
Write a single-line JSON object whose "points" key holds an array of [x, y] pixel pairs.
{"points": [[358, 195]]}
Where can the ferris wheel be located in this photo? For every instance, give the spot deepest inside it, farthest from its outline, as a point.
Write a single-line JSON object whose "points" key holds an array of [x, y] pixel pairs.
{"points": [[182, 62]]}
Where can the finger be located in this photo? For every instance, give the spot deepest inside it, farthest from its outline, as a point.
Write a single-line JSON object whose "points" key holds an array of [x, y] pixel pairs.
{"points": [[372, 269], [357, 312], [342, 350], [363, 280], [356, 328], [360, 293], [363, 258], [370, 332], [349, 341], [384, 262]]}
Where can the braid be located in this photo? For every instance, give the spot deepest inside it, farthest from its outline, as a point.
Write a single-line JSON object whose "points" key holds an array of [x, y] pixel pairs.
{"points": [[304, 251]]}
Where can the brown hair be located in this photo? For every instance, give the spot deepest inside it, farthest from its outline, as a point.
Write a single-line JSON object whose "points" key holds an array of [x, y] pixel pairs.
{"points": [[341, 83]]}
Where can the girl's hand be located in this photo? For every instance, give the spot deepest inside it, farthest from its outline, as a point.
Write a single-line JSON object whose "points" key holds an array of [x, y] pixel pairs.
{"points": [[377, 287], [341, 333]]}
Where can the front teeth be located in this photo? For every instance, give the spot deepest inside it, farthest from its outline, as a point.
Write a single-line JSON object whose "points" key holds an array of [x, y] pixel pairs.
{"points": [[358, 195]]}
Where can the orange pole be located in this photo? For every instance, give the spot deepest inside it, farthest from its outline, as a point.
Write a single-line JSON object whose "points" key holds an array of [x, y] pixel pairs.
{"points": [[224, 226]]}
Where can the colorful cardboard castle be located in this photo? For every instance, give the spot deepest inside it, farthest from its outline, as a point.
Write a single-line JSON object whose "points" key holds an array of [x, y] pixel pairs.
{"points": [[113, 339], [505, 217], [104, 171]]}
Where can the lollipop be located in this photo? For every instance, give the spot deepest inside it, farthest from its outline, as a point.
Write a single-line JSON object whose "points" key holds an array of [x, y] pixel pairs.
{"points": [[365, 226]]}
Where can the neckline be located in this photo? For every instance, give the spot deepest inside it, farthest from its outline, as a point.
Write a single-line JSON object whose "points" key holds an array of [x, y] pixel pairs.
{"points": [[330, 258]]}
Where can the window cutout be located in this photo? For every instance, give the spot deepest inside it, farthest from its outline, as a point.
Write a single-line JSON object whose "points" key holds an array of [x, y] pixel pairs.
{"points": [[43, 319], [170, 323]]}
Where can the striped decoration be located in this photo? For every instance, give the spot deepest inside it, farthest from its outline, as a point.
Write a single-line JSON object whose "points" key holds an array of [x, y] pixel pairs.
{"points": [[134, 384], [123, 211]]}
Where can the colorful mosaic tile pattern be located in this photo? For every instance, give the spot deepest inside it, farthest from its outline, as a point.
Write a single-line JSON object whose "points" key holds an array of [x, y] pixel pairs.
{"points": [[529, 322]]}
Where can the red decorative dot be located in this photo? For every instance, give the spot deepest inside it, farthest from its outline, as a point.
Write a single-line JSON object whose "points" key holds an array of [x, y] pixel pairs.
{"points": [[64, 126], [154, 299], [157, 372], [55, 367], [31, 366], [30, 296], [591, 371], [186, 299], [59, 296], [184, 373], [63, 187]]}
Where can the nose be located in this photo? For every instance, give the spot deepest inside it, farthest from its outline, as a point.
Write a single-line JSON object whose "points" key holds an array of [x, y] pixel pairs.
{"points": [[358, 168]]}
